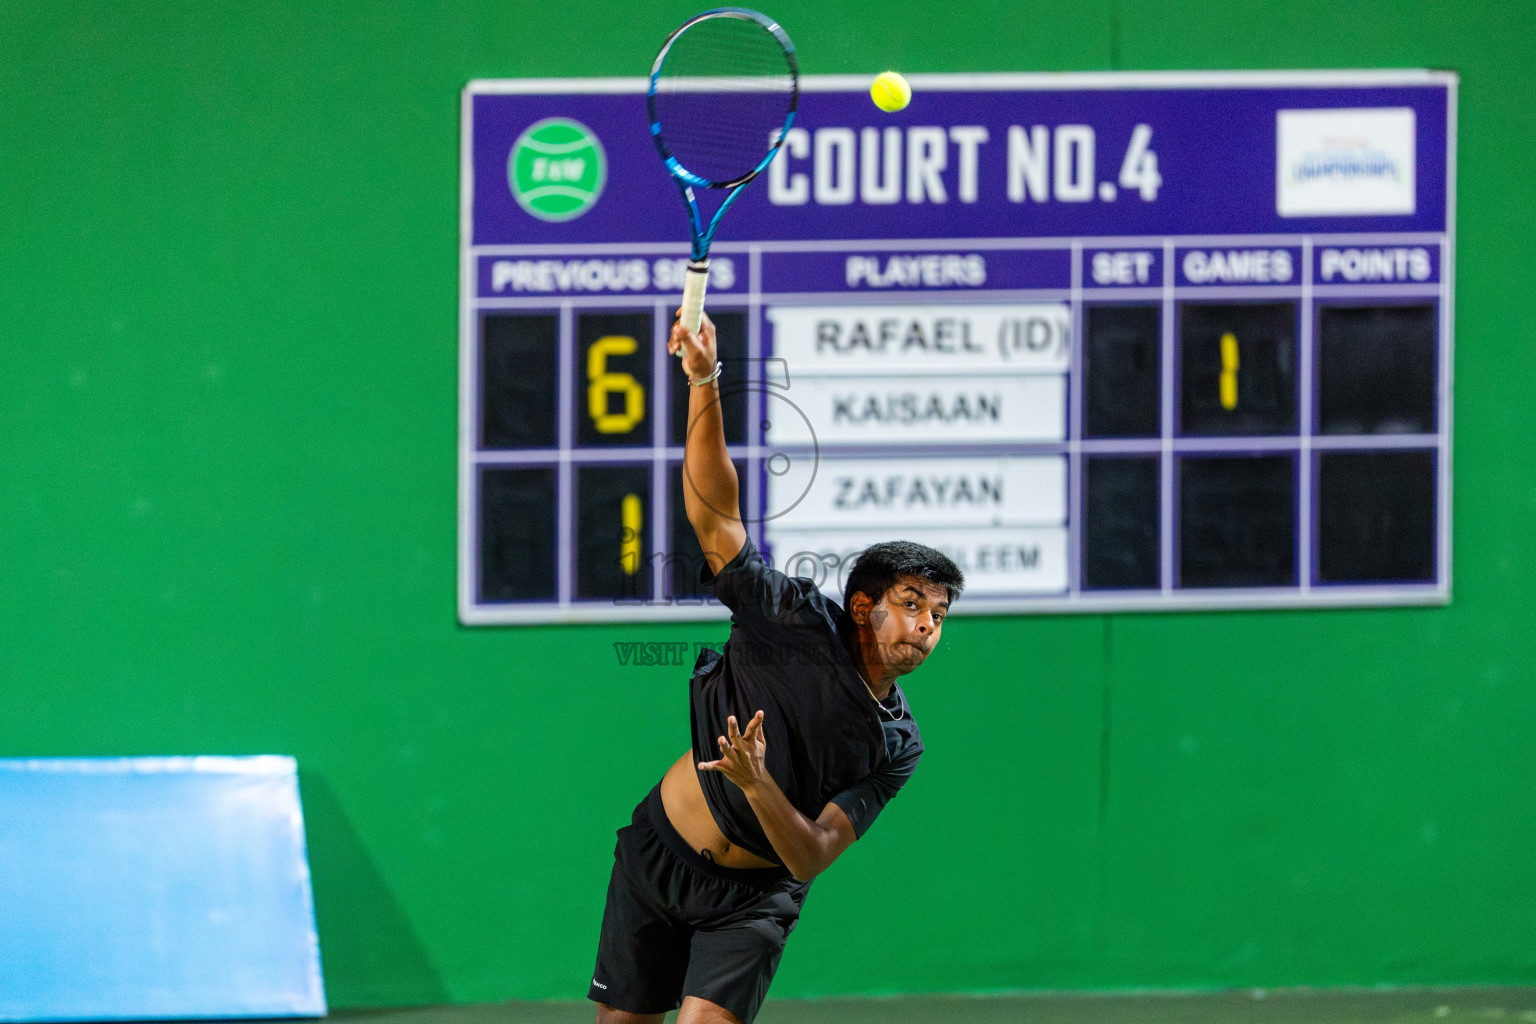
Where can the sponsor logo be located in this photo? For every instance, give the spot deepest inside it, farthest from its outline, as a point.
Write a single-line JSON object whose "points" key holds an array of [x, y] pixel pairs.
{"points": [[557, 169], [1339, 163], [1346, 163], [600, 985]]}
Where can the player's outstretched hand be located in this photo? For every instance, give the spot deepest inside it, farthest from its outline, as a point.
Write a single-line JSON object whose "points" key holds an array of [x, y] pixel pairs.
{"points": [[698, 350], [742, 755]]}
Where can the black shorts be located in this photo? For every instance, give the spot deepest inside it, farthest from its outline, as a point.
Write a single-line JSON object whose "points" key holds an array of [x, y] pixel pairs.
{"points": [[678, 925]]}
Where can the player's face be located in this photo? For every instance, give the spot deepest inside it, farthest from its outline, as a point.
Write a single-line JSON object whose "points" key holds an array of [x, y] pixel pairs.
{"points": [[907, 622]]}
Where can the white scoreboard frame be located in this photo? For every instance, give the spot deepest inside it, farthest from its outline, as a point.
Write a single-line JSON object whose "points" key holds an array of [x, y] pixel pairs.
{"points": [[1301, 596]]}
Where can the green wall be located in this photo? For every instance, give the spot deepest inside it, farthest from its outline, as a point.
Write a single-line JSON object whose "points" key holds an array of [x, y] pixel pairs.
{"points": [[227, 511]]}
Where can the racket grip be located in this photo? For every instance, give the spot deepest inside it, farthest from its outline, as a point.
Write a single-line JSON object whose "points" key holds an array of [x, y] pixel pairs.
{"points": [[693, 294]]}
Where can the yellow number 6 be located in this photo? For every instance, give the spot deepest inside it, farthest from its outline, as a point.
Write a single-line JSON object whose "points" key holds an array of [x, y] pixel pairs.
{"points": [[602, 382]]}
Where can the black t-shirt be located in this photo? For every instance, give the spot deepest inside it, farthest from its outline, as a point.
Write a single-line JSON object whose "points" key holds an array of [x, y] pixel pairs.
{"points": [[786, 657]]}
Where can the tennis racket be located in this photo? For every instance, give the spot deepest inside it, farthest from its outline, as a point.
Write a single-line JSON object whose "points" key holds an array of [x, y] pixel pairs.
{"points": [[723, 94]]}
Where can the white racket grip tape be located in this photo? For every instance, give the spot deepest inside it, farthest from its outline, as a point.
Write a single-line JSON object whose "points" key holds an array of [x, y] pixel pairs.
{"points": [[693, 294]]}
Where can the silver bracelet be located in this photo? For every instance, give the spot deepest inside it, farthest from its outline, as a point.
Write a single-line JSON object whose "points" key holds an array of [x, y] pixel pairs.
{"points": [[706, 380]]}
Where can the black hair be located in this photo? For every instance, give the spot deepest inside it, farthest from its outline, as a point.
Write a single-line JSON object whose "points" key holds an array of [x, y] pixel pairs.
{"points": [[880, 567]]}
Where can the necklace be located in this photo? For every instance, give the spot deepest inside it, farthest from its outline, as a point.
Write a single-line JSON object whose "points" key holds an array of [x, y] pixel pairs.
{"points": [[896, 716]]}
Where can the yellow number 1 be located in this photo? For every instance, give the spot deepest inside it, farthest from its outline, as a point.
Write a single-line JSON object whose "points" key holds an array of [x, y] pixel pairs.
{"points": [[602, 382], [629, 535], [1229, 364]]}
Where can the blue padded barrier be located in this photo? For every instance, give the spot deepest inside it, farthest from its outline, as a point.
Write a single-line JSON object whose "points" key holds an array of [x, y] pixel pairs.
{"points": [[155, 888]]}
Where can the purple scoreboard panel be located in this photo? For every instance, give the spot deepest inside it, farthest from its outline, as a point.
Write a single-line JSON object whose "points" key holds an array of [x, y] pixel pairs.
{"points": [[1113, 342]]}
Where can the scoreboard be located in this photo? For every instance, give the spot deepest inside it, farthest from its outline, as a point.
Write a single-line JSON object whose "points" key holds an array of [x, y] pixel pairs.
{"points": [[1111, 341]]}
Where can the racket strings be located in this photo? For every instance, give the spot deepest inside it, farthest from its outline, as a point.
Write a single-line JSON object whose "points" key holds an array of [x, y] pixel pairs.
{"points": [[724, 89]]}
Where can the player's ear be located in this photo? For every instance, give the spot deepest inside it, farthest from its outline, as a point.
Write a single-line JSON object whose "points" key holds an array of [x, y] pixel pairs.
{"points": [[859, 604]]}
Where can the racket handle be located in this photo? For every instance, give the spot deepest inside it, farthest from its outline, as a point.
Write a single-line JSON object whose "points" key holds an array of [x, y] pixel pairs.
{"points": [[693, 294]]}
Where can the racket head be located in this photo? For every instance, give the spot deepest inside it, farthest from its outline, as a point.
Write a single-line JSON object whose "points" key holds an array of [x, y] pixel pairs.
{"points": [[724, 90]]}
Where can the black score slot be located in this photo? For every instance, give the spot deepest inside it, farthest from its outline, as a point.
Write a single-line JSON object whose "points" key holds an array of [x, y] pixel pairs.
{"points": [[1122, 386], [1237, 521], [613, 394], [731, 348], [1376, 517], [1120, 523], [517, 380], [685, 557], [613, 531], [517, 534], [1237, 369], [1376, 369]]}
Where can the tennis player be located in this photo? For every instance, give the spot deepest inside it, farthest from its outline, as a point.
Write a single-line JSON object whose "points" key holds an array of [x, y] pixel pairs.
{"points": [[800, 737]]}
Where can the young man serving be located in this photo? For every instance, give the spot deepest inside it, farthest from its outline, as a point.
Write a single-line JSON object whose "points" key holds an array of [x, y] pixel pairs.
{"points": [[800, 737]]}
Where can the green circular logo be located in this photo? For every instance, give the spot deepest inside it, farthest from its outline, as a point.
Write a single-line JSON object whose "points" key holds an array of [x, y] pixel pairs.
{"points": [[557, 169]]}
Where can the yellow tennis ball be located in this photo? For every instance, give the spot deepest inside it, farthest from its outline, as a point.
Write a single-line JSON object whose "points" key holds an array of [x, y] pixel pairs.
{"points": [[890, 91]]}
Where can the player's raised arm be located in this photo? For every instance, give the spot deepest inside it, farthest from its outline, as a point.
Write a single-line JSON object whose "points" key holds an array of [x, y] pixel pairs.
{"points": [[711, 492]]}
